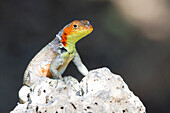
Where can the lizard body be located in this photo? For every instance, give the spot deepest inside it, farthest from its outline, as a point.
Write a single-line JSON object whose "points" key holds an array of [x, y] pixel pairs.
{"points": [[53, 59]]}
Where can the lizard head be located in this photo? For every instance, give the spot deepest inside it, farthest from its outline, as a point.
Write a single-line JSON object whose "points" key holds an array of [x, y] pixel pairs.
{"points": [[74, 31]]}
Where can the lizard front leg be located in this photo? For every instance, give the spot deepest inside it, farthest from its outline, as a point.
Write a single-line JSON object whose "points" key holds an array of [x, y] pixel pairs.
{"points": [[59, 64], [80, 66], [56, 62]]}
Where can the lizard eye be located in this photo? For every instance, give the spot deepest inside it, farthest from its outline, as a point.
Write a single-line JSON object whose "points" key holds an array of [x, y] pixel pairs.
{"points": [[75, 26]]}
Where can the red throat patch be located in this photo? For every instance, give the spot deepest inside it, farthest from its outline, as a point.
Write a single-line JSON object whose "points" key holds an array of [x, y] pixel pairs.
{"points": [[67, 31], [64, 39]]}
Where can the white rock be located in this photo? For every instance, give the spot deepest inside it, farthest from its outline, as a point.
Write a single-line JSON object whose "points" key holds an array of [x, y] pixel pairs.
{"points": [[20, 108], [24, 94], [99, 92]]}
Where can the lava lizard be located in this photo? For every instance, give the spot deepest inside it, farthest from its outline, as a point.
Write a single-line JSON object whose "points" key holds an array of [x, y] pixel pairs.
{"points": [[53, 59]]}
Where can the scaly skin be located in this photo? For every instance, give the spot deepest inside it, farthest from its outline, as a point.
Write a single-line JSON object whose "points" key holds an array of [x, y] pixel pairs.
{"points": [[53, 59]]}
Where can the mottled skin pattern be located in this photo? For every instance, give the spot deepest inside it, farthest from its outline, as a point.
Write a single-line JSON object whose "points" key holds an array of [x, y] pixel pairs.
{"points": [[53, 59]]}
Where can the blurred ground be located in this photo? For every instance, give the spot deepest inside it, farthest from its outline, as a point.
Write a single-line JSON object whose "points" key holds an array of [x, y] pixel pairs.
{"points": [[133, 45]]}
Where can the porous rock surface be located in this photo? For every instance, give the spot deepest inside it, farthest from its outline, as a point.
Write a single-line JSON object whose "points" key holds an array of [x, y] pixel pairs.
{"points": [[99, 92]]}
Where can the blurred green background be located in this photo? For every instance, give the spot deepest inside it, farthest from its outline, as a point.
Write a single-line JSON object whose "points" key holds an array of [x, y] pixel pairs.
{"points": [[131, 38]]}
